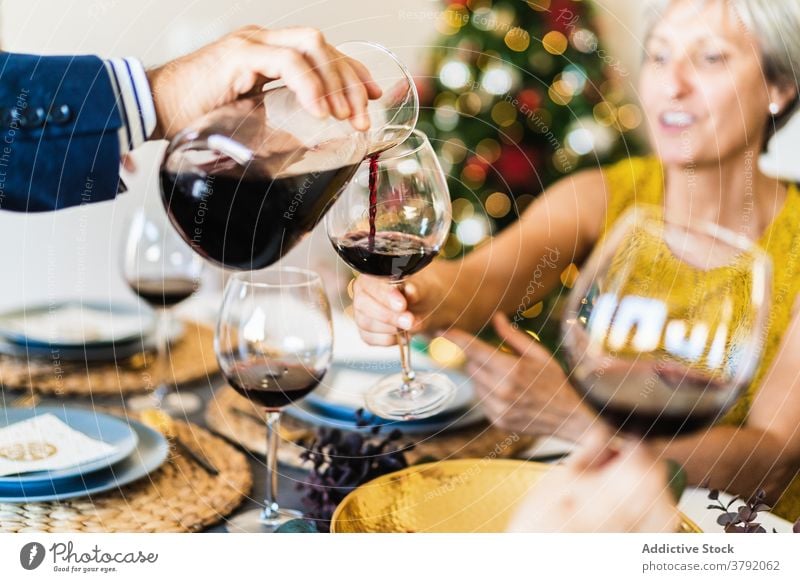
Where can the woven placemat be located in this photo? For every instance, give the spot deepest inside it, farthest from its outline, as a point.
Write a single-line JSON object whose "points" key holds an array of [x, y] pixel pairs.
{"points": [[191, 358], [178, 497], [246, 428]]}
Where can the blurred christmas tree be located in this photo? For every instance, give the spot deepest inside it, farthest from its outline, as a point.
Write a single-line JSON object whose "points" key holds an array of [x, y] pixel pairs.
{"points": [[519, 93]]}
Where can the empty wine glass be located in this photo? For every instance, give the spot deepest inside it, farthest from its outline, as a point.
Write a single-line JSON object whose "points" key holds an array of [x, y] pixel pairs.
{"points": [[162, 270], [390, 222], [274, 343], [665, 325]]}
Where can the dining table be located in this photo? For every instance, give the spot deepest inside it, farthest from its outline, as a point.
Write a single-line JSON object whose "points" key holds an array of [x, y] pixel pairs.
{"points": [[693, 504]]}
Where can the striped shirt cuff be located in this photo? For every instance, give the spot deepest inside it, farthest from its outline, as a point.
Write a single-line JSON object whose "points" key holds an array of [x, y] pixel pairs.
{"points": [[135, 102]]}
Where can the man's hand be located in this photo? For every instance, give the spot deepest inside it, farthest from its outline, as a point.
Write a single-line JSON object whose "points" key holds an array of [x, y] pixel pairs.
{"points": [[325, 81]]}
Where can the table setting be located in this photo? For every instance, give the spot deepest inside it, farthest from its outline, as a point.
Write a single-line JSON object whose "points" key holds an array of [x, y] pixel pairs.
{"points": [[92, 471], [119, 491], [101, 348]]}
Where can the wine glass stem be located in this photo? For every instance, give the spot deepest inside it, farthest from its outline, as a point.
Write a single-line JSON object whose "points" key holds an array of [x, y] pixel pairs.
{"points": [[271, 508], [404, 341], [162, 347]]}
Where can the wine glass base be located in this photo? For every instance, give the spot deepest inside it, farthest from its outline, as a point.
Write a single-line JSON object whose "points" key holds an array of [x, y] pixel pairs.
{"points": [[428, 395], [253, 522], [175, 403]]}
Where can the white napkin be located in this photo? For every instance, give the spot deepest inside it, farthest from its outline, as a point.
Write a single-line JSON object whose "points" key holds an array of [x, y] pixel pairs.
{"points": [[45, 443]]}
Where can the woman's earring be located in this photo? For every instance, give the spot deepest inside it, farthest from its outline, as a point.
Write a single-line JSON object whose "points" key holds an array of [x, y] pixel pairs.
{"points": [[774, 108]]}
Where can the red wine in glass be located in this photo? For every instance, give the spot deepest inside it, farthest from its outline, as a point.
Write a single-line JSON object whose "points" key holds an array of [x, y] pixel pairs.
{"points": [[373, 197], [390, 254], [653, 399], [274, 385], [160, 293]]}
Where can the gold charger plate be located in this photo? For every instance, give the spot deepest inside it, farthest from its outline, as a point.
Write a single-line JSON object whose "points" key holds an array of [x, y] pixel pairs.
{"points": [[458, 496]]}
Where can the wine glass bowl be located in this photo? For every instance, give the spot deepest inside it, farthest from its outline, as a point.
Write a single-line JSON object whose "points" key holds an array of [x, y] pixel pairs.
{"points": [[391, 222], [163, 271], [664, 328], [274, 343], [404, 242]]}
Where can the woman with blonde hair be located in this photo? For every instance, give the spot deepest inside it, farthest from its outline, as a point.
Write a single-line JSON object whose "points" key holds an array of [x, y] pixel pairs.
{"points": [[718, 79]]}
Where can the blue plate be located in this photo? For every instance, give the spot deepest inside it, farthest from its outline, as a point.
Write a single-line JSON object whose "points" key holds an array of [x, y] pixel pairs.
{"points": [[148, 456], [305, 412], [96, 425], [90, 352], [12, 324]]}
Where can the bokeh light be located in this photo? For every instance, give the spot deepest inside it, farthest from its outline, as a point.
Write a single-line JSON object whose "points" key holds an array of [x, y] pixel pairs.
{"points": [[455, 74], [446, 353], [473, 230], [517, 39], [554, 42], [498, 205], [497, 80]]}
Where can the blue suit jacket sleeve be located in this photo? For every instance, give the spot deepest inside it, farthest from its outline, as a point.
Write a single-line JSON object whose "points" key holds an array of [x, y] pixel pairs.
{"points": [[59, 144]]}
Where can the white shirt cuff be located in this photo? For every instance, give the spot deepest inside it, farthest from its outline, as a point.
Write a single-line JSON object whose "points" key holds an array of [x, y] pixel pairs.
{"points": [[135, 102]]}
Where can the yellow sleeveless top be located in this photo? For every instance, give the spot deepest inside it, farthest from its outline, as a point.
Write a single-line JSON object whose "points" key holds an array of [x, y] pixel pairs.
{"points": [[641, 181]]}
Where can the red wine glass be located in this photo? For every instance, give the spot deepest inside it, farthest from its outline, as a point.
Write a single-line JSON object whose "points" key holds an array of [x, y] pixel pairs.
{"points": [[163, 271], [391, 221], [664, 328], [274, 342]]}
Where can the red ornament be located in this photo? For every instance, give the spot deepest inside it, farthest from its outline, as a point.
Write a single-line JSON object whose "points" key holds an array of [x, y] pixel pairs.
{"points": [[477, 161], [516, 166], [565, 16], [531, 99]]}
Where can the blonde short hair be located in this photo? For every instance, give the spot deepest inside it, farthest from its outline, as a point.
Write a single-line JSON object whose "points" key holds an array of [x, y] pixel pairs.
{"points": [[775, 24]]}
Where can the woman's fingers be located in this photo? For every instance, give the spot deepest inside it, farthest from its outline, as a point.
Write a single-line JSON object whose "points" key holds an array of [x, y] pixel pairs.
{"points": [[518, 340], [502, 412], [377, 321], [384, 294], [477, 351], [496, 389], [373, 317], [378, 339]]}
